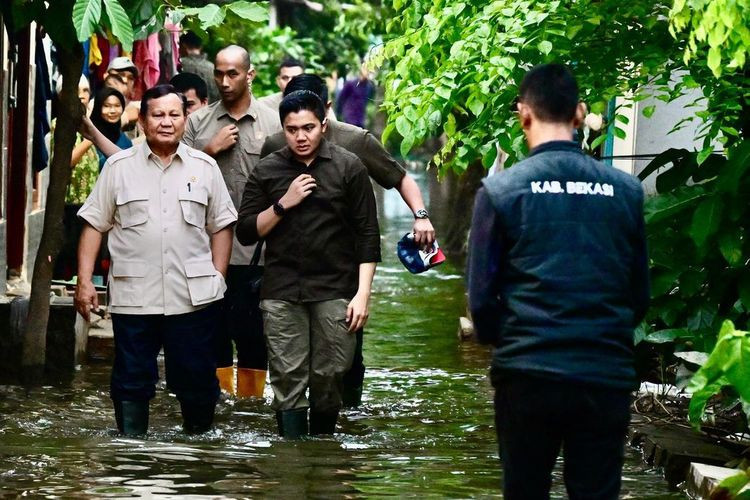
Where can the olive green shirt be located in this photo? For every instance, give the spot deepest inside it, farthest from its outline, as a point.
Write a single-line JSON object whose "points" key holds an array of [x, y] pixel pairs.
{"points": [[237, 162], [381, 166]]}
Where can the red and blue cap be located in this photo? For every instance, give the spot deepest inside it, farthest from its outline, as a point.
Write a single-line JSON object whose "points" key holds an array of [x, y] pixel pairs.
{"points": [[414, 258]]}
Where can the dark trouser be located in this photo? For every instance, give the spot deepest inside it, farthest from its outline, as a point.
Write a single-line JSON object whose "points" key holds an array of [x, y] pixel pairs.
{"points": [[241, 321], [188, 356], [355, 377], [536, 417]]}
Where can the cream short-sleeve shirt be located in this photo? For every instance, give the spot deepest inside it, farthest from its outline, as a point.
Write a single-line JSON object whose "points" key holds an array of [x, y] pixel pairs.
{"points": [[159, 219]]}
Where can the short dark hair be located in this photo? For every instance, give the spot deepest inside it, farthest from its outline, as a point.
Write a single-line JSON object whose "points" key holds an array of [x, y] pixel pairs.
{"points": [[551, 91], [308, 81], [190, 39], [302, 100], [160, 91], [182, 82], [290, 62]]}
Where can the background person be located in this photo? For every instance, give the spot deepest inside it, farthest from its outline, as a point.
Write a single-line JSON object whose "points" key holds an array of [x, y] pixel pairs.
{"points": [[105, 116], [558, 280], [351, 102], [232, 131], [288, 69], [193, 88], [193, 60], [128, 72], [169, 218], [381, 167], [313, 203]]}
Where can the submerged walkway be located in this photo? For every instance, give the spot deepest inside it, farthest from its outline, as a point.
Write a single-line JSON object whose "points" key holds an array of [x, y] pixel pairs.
{"points": [[425, 429]]}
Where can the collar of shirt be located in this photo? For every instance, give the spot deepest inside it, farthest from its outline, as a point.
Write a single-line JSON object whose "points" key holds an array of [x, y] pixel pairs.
{"points": [[251, 111], [324, 152], [150, 155], [556, 146]]}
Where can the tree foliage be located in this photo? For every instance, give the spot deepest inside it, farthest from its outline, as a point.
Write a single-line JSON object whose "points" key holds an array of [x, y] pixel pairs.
{"points": [[455, 67]]}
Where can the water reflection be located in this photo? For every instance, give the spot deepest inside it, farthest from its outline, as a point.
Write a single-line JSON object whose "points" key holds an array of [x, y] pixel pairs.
{"points": [[424, 429]]}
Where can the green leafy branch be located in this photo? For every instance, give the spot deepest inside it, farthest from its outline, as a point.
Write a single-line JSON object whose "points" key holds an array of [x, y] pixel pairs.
{"points": [[88, 18], [727, 365]]}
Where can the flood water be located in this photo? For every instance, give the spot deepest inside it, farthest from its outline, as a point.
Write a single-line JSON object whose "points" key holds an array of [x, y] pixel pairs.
{"points": [[424, 429]]}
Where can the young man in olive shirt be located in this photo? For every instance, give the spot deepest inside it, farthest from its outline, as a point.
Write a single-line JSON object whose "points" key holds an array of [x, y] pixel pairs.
{"points": [[313, 204]]}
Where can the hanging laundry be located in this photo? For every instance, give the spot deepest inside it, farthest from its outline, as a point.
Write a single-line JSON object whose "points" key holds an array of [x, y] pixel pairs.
{"points": [[95, 55], [147, 60], [86, 49]]}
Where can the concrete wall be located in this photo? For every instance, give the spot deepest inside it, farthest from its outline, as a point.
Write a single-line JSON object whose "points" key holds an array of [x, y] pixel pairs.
{"points": [[650, 136]]}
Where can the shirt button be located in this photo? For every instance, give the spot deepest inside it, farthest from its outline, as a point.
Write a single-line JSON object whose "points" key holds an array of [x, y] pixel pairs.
{"points": [[163, 190], [166, 271], [165, 210], [165, 229]]}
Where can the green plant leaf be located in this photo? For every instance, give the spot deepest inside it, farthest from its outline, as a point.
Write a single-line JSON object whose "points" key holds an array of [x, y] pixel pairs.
{"points": [[648, 111], [706, 220], [86, 15], [256, 12], [669, 156], [733, 484], [730, 245], [120, 22], [669, 335], [545, 47], [210, 15], [488, 159], [663, 206]]}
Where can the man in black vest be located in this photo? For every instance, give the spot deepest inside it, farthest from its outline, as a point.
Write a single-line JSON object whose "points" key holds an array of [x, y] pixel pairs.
{"points": [[558, 279]]}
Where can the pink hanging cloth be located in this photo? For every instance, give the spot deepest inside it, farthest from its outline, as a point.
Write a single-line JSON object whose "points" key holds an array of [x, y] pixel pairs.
{"points": [[147, 61]]}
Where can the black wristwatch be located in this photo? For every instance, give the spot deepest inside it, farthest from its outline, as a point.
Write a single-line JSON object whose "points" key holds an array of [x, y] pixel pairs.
{"points": [[278, 209], [421, 214]]}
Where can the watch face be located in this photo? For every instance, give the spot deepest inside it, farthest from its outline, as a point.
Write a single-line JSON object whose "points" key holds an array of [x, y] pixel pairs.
{"points": [[421, 214]]}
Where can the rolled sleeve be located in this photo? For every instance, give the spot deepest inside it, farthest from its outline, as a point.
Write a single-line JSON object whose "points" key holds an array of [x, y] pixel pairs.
{"points": [[221, 210], [365, 218], [99, 208], [381, 166], [485, 245], [254, 201]]}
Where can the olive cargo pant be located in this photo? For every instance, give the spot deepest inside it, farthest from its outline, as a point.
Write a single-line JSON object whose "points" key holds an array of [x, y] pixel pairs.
{"points": [[309, 345]]}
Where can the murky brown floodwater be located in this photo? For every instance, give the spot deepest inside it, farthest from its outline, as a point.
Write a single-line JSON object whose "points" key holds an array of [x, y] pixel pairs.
{"points": [[424, 430]]}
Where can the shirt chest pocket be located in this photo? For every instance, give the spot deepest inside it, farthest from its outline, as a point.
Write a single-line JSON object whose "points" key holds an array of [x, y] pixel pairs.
{"points": [[193, 202], [132, 207]]}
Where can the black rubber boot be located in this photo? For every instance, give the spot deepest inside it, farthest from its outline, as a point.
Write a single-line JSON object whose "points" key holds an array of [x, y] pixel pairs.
{"points": [[323, 422], [351, 396], [197, 418], [131, 417], [292, 423]]}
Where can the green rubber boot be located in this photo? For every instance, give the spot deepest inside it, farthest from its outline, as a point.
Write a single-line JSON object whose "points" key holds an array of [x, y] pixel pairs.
{"points": [[131, 417], [292, 423]]}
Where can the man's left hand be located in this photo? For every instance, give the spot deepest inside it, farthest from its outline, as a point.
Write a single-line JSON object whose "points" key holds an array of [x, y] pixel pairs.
{"points": [[357, 312], [424, 233]]}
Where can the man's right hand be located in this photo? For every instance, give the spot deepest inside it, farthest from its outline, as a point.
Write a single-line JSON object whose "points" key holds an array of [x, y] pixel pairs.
{"points": [[299, 189], [86, 299], [224, 139]]}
